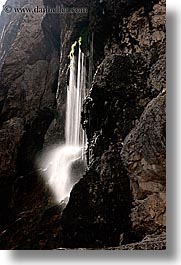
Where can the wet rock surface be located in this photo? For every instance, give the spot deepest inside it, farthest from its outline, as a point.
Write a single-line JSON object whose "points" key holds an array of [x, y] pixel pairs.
{"points": [[98, 209]]}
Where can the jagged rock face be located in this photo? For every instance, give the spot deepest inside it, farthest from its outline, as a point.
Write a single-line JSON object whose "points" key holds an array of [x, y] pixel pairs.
{"points": [[118, 96], [155, 241], [34, 63], [12, 128], [122, 87], [10, 137], [10, 24], [28, 83], [144, 156], [99, 205]]}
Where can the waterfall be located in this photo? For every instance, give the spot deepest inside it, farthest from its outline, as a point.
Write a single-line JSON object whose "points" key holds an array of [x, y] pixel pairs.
{"points": [[76, 92], [60, 161]]}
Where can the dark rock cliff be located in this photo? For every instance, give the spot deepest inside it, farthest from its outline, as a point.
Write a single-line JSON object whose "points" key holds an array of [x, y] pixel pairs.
{"points": [[28, 82], [129, 63], [121, 197]]}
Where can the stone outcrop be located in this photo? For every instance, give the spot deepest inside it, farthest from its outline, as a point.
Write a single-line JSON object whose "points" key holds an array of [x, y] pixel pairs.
{"points": [[150, 242], [28, 83], [144, 156], [99, 205], [10, 23], [10, 137]]}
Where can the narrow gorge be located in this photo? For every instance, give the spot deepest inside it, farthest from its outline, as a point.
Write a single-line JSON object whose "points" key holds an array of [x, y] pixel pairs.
{"points": [[83, 124]]}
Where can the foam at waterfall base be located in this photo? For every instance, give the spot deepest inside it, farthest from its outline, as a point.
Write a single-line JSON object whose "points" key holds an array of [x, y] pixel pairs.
{"points": [[62, 168], [64, 165]]}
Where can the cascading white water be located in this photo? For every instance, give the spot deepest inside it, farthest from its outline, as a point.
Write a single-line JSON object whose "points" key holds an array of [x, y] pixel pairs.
{"points": [[60, 160], [76, 92]]}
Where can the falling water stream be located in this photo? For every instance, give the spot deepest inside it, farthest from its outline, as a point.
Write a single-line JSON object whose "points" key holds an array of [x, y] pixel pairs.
{"points": [[61, 160], [76, 92]]}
